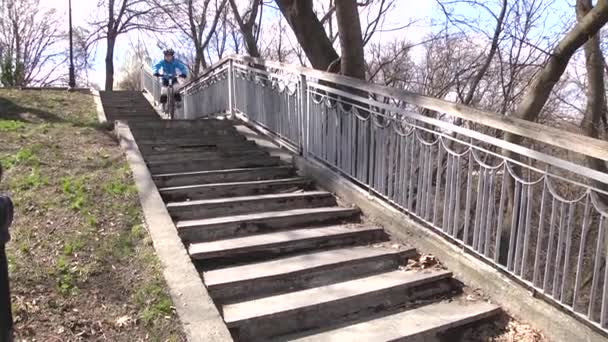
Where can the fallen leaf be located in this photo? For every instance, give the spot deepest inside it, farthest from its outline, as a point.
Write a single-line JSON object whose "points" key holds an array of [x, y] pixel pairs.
{"points": [[123, 321]]}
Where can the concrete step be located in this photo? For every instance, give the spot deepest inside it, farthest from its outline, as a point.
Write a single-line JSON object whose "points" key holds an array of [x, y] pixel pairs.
{"points": [[302, 271], [240, 225], [114, 116], [411, 325], [223, 176], [210, 208], [273, 316], [234, 189], [128, 109], [207, 165], [153, 149], [263, 246], [190, 132], [197, 155], [198, 139], [184, 124]]}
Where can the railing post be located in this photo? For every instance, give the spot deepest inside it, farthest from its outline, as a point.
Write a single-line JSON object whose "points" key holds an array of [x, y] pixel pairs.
{"points": [[231, 97], [142, 80], [304, 115], [6, 317], [185, 101]]}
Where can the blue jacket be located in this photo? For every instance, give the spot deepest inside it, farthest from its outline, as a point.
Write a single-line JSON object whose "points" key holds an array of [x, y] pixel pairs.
{"points": [[169, 67]]}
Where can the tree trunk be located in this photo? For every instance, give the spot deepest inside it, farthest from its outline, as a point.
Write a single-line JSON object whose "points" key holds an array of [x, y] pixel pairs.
{"points": [[488, 62], [596, 90], [247, 28], [251, 45], [110, 63], [539, 92], [197, 65], [540, 89], [309, 32], [596, 96], [351, 42]]}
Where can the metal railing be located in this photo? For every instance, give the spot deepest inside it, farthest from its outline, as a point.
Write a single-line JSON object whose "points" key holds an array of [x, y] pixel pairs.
{"points": [[534, 211]]}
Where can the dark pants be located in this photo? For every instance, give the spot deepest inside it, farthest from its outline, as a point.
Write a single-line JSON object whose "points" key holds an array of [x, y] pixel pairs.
{"points": [[176, 95]]}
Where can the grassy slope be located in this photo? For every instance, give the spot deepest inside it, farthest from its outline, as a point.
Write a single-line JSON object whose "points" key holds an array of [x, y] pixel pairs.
{"points": [[81, 264]]}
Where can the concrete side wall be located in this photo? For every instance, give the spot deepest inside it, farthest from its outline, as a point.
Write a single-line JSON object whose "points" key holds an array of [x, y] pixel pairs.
{"points": [[518, 301]]}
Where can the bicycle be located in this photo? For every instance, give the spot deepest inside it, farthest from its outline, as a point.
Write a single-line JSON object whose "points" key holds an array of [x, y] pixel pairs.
{"points": [[168, 108]]}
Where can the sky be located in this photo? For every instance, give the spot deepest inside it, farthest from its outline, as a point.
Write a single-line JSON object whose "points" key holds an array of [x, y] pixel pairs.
{"points": [[422, 12]]}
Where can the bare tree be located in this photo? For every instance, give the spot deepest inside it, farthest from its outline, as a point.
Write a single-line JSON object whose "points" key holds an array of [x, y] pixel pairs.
{"points": [[130, 71], [317, 45], [278, 48], [219, 44], [309, 32], [247, 24], [122, 16], [191, 18], [29, 44]]}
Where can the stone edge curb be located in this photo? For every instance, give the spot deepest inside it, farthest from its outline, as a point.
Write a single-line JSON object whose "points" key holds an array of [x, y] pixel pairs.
{"points": [[101, 113], [199, 316], [509, 294]]}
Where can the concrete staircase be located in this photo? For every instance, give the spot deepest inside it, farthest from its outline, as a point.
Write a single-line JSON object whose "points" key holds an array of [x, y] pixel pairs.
{"points": [[127, 105], [282, 259]]}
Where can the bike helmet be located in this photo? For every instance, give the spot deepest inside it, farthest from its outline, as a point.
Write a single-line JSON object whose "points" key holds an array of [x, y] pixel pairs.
{"points": [[169, 52]]}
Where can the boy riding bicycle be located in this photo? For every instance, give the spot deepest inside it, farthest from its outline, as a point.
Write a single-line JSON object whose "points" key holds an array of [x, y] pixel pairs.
{"points": [[169, 64]]}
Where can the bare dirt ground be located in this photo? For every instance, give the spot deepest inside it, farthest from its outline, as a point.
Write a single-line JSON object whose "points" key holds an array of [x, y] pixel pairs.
{"points": [[81, 263]]}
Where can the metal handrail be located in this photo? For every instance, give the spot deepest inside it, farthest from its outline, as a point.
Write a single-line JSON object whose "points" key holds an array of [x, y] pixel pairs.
{"points": [[537, 216]]}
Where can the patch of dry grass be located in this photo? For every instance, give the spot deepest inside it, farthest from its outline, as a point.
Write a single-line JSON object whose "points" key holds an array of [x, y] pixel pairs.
{"points": [[81, 264]]}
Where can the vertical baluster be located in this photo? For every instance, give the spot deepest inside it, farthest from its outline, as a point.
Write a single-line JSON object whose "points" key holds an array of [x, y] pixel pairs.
{"points": [[467, 207], [394, 167], [402, 167], [446, 194], [512, 241], [484, 210], [456, 215], [361, 135], [539, 238], [453, 194], [339, 146], [550, 247], [380, 159], [422, 188], [501, 212], [520, 228], [420, 176], [352, 145], [490, 215], [596, 270], [438, 183], [429, 184], [560, 251], [604, 309], [371, 153], [478, 206], [581, 251], [392, 160], [527, 231], [566, 271], [410, 199]]}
